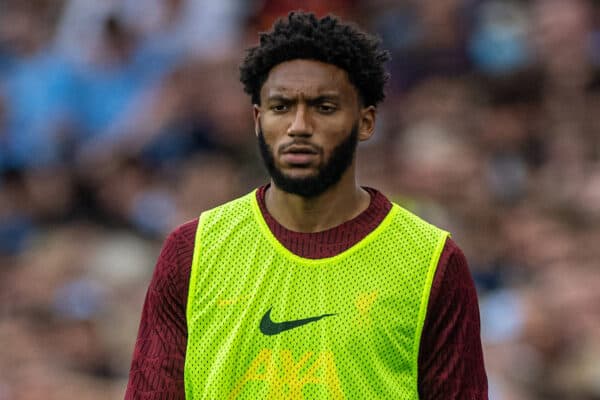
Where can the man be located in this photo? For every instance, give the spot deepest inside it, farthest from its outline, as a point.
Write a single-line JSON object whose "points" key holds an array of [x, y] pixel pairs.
{"points": [[311, 287]]}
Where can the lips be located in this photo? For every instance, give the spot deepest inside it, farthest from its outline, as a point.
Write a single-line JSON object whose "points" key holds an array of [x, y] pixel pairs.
{"points": [[298, 154]]}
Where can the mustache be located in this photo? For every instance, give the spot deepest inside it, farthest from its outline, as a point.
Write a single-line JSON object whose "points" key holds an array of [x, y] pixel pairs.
{"points": [[299, 144]]}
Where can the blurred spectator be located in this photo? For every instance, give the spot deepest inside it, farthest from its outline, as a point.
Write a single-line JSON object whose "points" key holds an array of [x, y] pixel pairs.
{"points": [[427, 39], [16, 225], [499, 43], [265, 13], [110, 82], [36, 87]]}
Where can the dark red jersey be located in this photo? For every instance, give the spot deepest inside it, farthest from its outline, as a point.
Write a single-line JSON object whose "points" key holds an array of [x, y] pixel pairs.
{"points": [[450, 356]]}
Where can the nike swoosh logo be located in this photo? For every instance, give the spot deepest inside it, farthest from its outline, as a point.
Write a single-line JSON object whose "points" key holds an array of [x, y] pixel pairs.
{"points": [[269, 328]]}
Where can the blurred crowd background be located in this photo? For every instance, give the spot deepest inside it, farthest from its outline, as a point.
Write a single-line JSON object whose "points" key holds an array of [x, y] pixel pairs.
{"points": [[120, 119]]}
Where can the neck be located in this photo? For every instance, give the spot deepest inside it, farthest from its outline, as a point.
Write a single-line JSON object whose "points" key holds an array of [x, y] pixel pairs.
{"points": [[338, 204]]}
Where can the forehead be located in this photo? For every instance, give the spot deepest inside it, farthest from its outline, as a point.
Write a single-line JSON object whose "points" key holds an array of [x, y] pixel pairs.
{"points": [[308, 78]]}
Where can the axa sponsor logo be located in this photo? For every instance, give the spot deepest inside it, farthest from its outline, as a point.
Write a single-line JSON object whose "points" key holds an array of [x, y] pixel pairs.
{"points": [[284, 377]]}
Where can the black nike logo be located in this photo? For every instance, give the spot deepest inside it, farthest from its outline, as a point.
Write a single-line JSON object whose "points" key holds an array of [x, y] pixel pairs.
{"points": [[268, 327]]}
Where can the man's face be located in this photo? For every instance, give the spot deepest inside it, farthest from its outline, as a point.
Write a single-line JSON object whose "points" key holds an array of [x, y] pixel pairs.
{"points": [[308, 123], [328, 174]]}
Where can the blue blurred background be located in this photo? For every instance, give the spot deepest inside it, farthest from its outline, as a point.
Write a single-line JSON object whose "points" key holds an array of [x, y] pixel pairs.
{"points": [[120, 119]]}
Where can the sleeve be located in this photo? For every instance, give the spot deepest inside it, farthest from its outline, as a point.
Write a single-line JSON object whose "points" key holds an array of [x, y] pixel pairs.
{"points": [[158, 359], [451, 357]]}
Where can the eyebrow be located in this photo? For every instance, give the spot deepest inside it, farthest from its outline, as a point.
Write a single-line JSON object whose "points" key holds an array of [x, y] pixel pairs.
{"points": [[310, 100], [279, 97]]}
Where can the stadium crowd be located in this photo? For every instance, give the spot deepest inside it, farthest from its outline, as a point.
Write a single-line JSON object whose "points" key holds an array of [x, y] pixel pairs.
{"points": [[120, 120]]}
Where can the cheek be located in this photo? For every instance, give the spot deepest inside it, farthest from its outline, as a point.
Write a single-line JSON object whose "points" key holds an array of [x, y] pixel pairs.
{"points": [[263, 127], [270, 138], [337, 133], [272, 127]]}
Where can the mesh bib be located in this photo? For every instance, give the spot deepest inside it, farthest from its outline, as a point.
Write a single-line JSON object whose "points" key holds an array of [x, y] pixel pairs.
{"points": [[264, 323]]}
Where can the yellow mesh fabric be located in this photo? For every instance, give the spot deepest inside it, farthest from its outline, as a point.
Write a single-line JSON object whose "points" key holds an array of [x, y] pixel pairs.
{"points": [[264, 323]]}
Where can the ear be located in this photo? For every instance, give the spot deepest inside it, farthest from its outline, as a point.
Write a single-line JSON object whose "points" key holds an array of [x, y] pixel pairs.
{"points": [[256, 115], [367, 123]]}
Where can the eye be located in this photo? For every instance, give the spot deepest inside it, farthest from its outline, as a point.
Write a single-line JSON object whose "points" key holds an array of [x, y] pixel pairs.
{"points": [[279, 108], [326, 108]]}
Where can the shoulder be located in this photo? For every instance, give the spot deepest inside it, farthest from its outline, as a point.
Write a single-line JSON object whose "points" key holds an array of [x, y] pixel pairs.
{"points": [[411, 217], [453, 286], [232, 212], [453, 268], [183, 231], [452, 253], [174, 262], [180, 239], [414, 229]]}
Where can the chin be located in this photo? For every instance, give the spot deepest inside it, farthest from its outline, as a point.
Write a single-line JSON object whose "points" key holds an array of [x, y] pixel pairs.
{"points": [[300, 174], [297, 170]]}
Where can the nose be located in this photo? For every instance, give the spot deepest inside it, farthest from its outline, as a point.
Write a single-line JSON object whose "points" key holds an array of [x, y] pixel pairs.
{"points": [[300, 125]]}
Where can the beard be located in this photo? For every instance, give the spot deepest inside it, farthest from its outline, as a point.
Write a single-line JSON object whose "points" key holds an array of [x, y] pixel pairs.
{"points": [[329, 172]]}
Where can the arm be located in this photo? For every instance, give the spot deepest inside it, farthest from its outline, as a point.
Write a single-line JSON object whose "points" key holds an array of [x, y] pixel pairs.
{"points": [[451, 358], [159, 356]]}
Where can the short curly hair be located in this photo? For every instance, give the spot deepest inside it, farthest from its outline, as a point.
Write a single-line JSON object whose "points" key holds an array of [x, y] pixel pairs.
{"points": [[303, 36]]}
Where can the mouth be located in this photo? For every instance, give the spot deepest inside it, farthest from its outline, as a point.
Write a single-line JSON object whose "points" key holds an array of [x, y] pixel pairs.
{"points": [[299, 155]]}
